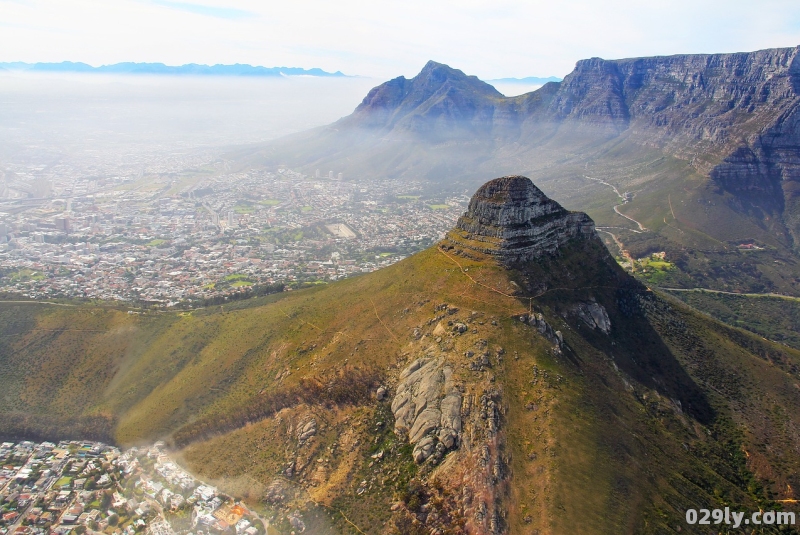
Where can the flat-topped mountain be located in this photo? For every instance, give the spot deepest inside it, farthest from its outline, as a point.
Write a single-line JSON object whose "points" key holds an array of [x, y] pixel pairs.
{"points": [[511, 379], [511, 219]]}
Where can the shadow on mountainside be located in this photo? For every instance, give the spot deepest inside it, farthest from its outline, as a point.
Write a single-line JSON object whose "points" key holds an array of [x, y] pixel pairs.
{"points": [[584, 273]]}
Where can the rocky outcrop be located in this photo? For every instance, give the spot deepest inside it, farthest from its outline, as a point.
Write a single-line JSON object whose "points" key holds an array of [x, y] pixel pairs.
{"points": [[594, 315], [427, 408], [545, 329], [512, 220], [306, 431]]}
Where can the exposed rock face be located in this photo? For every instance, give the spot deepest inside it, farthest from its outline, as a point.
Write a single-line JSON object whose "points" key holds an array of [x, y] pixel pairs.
{"points": [[511, 219], [544, 328], [736, 117], [306, 431], [688, 99], [427, 408], [594, 315]]}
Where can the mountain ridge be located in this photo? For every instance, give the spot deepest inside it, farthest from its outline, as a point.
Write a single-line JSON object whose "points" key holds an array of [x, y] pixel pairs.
{"points": [[238, 69], [446, 392]]}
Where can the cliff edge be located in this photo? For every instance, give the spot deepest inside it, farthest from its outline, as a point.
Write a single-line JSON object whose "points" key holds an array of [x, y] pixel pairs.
{"points": [[510, 219]]}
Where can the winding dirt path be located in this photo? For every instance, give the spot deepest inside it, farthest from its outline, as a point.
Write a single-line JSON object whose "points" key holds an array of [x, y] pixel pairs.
{"points": [[624, 200]]}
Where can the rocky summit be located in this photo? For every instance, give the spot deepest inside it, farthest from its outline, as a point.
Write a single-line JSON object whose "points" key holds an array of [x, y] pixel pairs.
{"points": [[511, 219]]}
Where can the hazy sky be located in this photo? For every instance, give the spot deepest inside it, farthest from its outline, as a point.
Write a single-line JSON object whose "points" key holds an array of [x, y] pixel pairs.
{"points": [[491, 39]]}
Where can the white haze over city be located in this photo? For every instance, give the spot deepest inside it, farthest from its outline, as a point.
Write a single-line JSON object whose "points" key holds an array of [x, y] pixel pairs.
{"points": [[45, 118]]}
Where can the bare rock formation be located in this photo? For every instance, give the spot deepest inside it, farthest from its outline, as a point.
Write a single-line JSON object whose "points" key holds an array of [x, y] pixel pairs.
{"points": [[427, 408], [594, 315], [512, 220]]}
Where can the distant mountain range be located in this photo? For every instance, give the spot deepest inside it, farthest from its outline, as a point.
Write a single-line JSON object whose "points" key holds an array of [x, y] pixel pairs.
{"points": [[237, 69]]}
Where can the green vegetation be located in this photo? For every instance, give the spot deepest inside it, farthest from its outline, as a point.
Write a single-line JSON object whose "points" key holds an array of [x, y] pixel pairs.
{"points": [[663, 407], [244, 208], [269, 202], [156, 242], [654, 269], [25, 274], [438, 206], [773, 318]]}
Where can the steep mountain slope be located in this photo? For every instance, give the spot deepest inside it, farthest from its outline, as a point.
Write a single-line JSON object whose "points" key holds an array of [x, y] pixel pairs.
{"points": [[512, 379], [691, 154]]}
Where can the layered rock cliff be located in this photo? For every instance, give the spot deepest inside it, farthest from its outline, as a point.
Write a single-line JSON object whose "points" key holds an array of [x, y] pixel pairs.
{"points": [[511, 219], [735, 117]]}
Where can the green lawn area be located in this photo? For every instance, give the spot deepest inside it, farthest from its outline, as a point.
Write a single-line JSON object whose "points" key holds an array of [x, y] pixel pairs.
{"points": [[26, 274], [244, 209], [235, 277], [659, 264], [156, 242], [269, 202], [654, 270], [239, 284], [438, 206], [64, 481], [306, 209]]}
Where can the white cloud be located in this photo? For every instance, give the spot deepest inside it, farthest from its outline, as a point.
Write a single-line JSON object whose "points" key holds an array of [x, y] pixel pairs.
{"points": [[490, 39]]}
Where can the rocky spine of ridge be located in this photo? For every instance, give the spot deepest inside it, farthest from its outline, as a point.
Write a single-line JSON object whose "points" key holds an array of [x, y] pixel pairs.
{"points": [[509, 218]]}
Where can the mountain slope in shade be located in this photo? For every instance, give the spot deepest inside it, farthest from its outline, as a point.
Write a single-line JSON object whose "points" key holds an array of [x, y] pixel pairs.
{"points": [[706, 146], [512, 379]]}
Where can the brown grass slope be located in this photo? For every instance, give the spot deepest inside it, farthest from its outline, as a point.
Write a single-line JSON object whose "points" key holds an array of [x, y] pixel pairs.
{"points": [[616, 433]]}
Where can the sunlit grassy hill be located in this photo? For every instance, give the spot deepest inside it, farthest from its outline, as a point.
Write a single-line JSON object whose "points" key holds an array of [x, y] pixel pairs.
{"points": [[610, 433]]}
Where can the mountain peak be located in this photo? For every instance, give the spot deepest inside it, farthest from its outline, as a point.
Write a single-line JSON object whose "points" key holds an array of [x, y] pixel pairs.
{"points": [[511, 219], [440, 102], [435, 74], [434, 67]]}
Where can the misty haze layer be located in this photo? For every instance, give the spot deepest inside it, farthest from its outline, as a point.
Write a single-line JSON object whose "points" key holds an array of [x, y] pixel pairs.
{"points": [[44, 118]]}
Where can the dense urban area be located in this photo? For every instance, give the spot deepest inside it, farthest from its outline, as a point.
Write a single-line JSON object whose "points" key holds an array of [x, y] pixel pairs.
{"points": [[79, 487], [167, 236]]}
